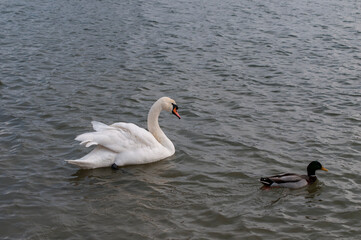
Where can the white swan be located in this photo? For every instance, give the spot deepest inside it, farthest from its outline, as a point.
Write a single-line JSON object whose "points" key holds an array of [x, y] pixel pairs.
{"points": [[123, 144]]}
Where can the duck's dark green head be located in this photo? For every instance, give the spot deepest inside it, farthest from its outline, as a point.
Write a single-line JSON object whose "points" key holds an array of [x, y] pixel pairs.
{"points": [[313, 166]]}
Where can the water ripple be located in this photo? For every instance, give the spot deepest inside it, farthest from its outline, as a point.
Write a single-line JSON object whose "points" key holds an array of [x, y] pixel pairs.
{"points": [[262, 87]]}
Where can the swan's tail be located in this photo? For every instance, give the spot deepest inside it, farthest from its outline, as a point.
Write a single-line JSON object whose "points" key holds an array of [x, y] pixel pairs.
{"points": [[81, 163], [99, 157]]}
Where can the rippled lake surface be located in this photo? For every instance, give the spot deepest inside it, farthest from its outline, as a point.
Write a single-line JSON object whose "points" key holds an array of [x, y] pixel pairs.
{"points": [[263, 87]]}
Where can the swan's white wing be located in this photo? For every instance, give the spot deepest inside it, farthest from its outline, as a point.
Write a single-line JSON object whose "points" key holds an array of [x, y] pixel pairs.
{"points": [[138, 134], [98, 126], [118, 137]]}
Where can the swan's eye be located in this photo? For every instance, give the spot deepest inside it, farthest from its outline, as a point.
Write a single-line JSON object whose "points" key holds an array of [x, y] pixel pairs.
{"points": [[175, 106]]}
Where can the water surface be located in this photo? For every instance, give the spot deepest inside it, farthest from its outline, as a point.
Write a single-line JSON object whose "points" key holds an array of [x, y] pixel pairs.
{"points": [[263, 87]]}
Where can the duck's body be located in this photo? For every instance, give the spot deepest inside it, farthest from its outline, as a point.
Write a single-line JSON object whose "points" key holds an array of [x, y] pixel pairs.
{"points": [[123, 144], [292, 180], [288, 180]]}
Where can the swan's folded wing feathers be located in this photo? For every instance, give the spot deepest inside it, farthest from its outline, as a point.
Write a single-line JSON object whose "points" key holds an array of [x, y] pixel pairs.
{"points": [[139, 135], [98, 126], [108, 138], [118, 138]]}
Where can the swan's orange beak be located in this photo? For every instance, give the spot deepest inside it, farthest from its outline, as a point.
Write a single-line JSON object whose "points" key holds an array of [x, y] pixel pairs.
{"points": [[174, 111]]}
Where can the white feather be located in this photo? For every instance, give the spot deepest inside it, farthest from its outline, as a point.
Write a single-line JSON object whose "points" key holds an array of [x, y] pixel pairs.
{"points": [[98, 126]]}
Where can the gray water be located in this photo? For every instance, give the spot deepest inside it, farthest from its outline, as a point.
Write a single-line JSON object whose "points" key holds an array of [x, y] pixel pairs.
{"points": [[263, 87]]}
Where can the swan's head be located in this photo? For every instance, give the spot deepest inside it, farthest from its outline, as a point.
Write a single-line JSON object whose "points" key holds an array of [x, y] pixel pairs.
{"points": [[170, 105]]}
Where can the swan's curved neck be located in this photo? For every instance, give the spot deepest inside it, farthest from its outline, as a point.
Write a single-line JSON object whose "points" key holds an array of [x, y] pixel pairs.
{"points": [[153, 126]]}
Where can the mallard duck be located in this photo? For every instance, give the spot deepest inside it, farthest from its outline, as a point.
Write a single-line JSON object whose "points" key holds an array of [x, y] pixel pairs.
{"points": [[292, 180]]}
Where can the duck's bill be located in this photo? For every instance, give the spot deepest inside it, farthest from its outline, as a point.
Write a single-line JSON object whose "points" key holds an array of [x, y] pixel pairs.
{"points": [[175, 112], [324, 169]]}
